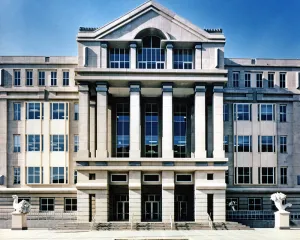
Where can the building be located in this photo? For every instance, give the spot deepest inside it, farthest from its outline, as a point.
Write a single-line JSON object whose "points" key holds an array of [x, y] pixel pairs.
{"points": [[149, 122]]}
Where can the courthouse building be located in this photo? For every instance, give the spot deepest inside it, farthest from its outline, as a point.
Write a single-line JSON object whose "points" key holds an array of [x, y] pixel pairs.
{"points": [[150, 122]]}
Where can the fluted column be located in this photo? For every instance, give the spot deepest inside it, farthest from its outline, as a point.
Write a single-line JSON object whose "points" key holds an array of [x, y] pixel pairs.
{"points": [[133, 55], [135, 121], [200, 122], [198, 57], [103, 55], [169, 56], [167, 117], [84, 119], [218, 137], [101, 120]]}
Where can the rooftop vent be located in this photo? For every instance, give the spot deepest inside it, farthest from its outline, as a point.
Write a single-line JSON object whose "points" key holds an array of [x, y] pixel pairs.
{"points": [[213, 30], [47, 59], [87, 29], [253, 61]]}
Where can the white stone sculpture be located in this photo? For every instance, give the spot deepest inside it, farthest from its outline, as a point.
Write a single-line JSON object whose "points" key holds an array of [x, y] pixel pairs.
{"points": [[21, 207], [278, 198], [232, 204]]}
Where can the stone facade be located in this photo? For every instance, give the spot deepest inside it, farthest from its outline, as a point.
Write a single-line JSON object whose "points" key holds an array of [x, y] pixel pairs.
{"points": [[141, 125]]}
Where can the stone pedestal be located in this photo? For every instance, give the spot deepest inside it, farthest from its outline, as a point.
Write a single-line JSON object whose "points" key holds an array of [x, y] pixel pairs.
{"points": [[282, 220], [18, 221]]}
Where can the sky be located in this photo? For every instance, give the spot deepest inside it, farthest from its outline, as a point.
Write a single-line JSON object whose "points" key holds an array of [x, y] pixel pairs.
{"points": [[253, 28]]}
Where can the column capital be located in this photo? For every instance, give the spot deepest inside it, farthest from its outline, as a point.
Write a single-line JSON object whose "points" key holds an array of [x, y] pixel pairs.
{"points": [[198, 46], [200, 88], [218, 89], [134, 86], [101, 87], [169, 46], [132, 45], [167, 87], [83, 87], [103, 45]]}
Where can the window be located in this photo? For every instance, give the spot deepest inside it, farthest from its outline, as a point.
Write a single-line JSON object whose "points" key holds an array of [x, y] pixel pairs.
{"points": [[151, 55], [53, 78], [70, 204], [17, 78], [298, 180], [75, 177], [268, 175], [29, 81], [119, 178], [259, 81], [151, 130], [266, 112], [92, 176], [119, 58], [46, 204], [283, 144], [183, 177], [76, 111], [57, 143], [180, 131], [17, 111], [234, 201], [210, 176], [17, 175], [226, 143], [282, 80], [282, 113], [247, 80], [254, 204], [57, 175], [243, 143], [267, 144], [227, 177], [122, 130], [33, 110], [33, 143], [66, 78], [235, 79], [151, 177], [182, 59], [17, 143], [33, 175], [41, 78], [270, 80], [242, 112], [283, 175], [76, 143], [225, 112], [58, 111], [243, 175]]}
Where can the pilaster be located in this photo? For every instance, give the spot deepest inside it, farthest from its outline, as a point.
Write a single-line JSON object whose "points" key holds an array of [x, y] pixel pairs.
{"points": [[169, 56], [103, 55], [167, 117], [92, 129], [198, 56], [200, 201], [135, 122], [218, 137], [102, 126], [133, 56], [200, 122], [135, 196], [168, 187]]}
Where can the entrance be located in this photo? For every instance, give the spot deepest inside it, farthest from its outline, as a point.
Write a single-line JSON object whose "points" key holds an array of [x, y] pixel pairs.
{"points": [[92, 207], [122, 208], [181, 207], [210, 206], [152, 208], [184, 203]]}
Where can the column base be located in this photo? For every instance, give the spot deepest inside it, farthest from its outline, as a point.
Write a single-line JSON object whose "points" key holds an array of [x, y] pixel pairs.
{"points": [[18, 221], [282, 220]]}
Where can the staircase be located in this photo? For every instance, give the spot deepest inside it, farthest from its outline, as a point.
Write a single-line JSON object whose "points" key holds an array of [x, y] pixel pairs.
{"points": [[148, 226]]}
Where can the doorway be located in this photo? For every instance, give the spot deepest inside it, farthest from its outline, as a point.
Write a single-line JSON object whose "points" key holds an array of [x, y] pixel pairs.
{"points": [[184, 203], [118, 203], [151, 203], [210, 206], [92, 207]]}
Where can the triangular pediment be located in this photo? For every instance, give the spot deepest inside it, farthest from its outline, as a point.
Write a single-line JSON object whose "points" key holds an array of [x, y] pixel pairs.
{"points": [[150, 15]]}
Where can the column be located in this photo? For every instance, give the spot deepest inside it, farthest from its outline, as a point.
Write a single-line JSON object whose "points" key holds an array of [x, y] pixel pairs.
{"points": [[135, 196], [200, 122], [169, 56], [168, 187], [218, 137], [198, 56], [200, 199], [219, 206], [92, 129], [135, 121], [101, 89], [84, 102], [103, 55], [82, 206], [133, 55], [167, 117]]}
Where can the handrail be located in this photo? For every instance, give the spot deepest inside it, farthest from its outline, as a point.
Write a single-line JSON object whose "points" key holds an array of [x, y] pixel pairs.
{"points": [[171, 222], [210, 222], [131, 221]]}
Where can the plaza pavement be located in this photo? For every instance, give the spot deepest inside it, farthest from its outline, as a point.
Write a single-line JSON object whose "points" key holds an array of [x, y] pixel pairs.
{"points": [[257, 234]]}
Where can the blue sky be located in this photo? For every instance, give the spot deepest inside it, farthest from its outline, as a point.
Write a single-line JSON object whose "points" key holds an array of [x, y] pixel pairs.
{"points": [[253, 28]]}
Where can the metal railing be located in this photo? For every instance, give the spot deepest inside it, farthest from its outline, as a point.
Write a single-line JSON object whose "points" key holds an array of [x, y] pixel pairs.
{"points": [[131, 221], [256, 215], [210, 222]]}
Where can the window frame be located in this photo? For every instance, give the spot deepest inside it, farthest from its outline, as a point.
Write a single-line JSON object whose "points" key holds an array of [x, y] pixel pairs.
{"points": [[17, 77], [184, 60], [259, 80], [37, 108], [182, 174], [283, 175], [271, 79], [17, 111], [255, 204], [76, 111], [59, 142], [58, 108], [243, 176], [66, 78], [117, 58], [247, 80], [37, 142], [225, 112], [17, 175], [282, 79], [151, 174], [237, 114], [226, 143], [70, 204], [34, 175], [282, 113], [47, 204], [17, 143], [235, 79], [264, 116], [58, 174], [53, 78], [122, 174], [42, 78], [283, 146], [29, 78], [76, 142], [265, 147], [267, 175], [242, 137], [230, 199]]}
